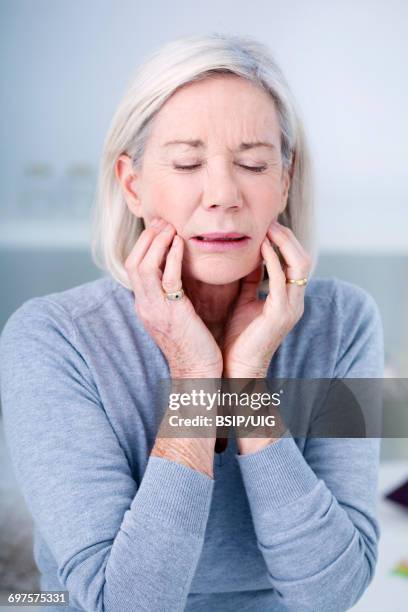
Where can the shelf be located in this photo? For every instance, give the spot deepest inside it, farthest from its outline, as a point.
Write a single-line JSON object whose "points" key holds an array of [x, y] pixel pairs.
{"points": [[361, 224], [36, 234], [337, 234]]}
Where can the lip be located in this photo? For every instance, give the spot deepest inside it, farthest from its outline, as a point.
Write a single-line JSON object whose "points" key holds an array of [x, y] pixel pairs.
{"points": [[221, 235], [217, 246]]}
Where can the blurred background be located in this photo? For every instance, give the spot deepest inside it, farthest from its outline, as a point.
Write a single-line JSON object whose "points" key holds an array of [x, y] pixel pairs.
{"points": [[64, 67]]}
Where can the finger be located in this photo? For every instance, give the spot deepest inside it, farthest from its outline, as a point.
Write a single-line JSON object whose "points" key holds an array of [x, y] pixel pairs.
{"points": [[171, 280], [294, 254], [277, 279], [149, 270], [142, 245], [133, 261], [297, 260], [250, 284], [145, 273], [155, 254]]}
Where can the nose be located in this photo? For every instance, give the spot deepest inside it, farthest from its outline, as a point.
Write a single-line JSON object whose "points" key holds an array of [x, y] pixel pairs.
{"points": [[221, 189]]}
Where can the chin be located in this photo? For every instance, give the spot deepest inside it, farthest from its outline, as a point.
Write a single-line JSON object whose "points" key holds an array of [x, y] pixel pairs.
{"points": [[219, 273]]}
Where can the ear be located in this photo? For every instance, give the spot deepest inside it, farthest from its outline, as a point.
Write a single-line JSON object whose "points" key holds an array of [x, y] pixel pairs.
{"points": [[285, 189], [130, 182]]}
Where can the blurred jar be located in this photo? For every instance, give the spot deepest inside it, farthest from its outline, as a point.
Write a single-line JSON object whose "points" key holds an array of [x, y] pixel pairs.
{"points": [[35, 195], [76, 192]]}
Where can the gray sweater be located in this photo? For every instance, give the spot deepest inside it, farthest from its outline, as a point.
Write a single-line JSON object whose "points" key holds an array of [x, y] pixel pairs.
{"points": [[290, 527]]}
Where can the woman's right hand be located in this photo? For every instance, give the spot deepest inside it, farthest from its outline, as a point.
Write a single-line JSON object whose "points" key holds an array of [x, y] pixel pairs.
{"points": [[185, 340], [187, 343]]}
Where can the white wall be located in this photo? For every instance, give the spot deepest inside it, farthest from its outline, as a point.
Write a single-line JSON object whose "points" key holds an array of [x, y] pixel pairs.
{"points": [[64, 66]]}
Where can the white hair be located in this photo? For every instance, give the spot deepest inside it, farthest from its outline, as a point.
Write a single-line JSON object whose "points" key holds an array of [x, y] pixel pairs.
{"points": [[185, 60]]}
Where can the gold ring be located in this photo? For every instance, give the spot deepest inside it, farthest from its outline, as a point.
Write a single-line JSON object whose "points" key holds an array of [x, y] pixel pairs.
{"points": [[298, 281], [174, 295]]}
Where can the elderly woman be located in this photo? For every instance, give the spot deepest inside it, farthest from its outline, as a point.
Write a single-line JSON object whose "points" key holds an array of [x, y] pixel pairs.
{"points": [[204, 191]]}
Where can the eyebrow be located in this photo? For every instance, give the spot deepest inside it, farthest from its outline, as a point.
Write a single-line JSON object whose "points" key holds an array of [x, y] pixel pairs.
{"points": [[244, 146]]}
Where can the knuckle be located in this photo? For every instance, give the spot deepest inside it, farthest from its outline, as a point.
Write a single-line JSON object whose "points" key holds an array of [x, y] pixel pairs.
{"points": [[307, 261], [141, 311], [150, 317], [161, 237], [170, 283], [161, 329], [144, 268]]}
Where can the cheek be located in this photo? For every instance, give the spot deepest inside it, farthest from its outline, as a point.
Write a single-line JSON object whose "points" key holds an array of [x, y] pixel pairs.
{"points": [[265, 208], [264, 191], [270, 190], [168, 202]]}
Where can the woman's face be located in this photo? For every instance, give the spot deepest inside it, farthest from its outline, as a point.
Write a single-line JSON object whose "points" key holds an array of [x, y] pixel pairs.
{"points": [[232, 185]]}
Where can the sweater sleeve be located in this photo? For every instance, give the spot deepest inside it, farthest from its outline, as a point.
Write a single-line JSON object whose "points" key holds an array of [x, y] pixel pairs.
{"points": [[315, 513], [117, 546]]}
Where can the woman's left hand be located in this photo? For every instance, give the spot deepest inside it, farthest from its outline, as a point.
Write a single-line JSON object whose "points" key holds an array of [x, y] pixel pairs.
{"points": [[256, 328]]}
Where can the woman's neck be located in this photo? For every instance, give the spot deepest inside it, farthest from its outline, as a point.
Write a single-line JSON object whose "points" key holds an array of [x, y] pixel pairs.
{"points": [[212, 302]]}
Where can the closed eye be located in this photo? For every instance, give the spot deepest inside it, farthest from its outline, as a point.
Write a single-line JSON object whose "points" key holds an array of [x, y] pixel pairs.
{"points": [[251, 168]]}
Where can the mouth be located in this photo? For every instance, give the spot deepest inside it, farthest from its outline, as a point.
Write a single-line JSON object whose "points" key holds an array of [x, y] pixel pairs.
{"points": [[220, 241], [221, 236]]}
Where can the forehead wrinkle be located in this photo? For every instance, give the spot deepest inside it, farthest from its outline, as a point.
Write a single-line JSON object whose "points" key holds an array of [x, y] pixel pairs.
{"points": [[199, 144], [253, 134], [220, 111]]}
